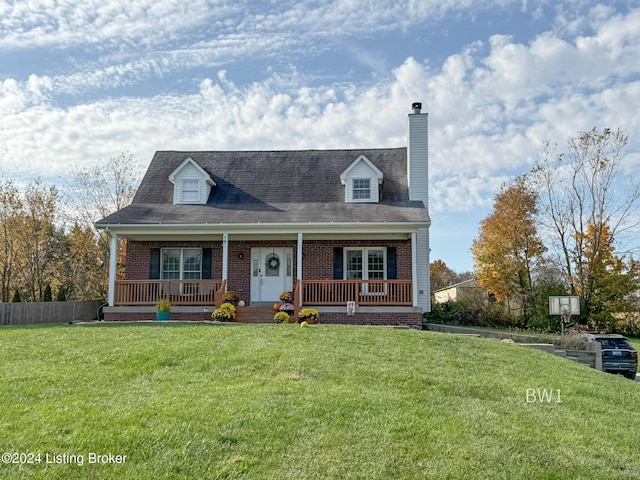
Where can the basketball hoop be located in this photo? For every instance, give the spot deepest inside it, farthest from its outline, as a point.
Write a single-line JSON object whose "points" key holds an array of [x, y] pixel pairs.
{"points": [[564, 306]]}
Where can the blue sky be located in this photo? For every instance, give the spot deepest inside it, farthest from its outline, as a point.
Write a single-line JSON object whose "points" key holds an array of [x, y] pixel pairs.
{"points": [[84, 81]]}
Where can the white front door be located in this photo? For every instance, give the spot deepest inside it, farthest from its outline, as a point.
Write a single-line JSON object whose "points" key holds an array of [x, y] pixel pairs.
{"points": [[271, 273]]}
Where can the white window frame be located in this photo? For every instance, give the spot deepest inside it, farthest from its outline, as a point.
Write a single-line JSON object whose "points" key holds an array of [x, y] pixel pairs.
{"points": [[182, 269], [365, 268], [190, 190], [355, 192]]}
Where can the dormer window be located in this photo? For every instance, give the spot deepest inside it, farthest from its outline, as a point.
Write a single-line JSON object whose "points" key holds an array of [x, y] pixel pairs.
{"points": [[192, 184], [362, 180], [362, 189], [190, 191]]}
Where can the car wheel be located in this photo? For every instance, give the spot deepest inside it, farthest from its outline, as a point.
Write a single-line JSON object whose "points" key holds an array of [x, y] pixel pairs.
{"points": [[632, 376]]}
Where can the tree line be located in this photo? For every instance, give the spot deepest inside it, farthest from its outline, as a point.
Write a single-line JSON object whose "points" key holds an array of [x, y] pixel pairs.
{"points": [[567, 227], [50, 248]]}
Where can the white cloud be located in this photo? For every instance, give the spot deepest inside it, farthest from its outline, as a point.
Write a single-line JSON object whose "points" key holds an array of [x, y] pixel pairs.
{"points": [[491, 104], [58, 23], [12, 97], [143, 23]]}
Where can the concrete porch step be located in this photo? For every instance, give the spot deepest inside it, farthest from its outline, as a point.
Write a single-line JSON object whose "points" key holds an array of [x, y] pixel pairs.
{"points": [[251, 314]]}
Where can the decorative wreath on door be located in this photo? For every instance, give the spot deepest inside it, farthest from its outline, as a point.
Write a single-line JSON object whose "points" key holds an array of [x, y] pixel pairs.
{"points": [[273, 265]]}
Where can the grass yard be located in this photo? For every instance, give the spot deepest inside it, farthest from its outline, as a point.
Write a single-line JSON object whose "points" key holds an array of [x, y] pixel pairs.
{"points": [[209, 401]]}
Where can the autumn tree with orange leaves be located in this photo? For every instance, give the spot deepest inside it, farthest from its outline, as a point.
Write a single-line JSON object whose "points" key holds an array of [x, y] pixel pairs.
{"points": [[609, 282], [508, 247]]}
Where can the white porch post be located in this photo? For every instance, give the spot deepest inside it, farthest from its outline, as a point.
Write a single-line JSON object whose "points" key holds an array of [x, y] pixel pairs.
{"points": [[299, 265], [113, 265], [414, 267], [225, 256]]}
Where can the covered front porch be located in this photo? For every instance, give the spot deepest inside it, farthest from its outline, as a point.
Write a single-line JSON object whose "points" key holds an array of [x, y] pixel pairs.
{"points": [[324, 270]]}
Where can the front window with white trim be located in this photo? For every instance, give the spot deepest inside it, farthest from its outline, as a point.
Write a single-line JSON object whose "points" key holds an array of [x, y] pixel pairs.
{"points": [[366, 263], [361, 189], [181, 264]]}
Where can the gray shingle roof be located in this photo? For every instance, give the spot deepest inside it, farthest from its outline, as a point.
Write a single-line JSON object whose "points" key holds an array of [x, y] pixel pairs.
{"points": [[272, 187]]}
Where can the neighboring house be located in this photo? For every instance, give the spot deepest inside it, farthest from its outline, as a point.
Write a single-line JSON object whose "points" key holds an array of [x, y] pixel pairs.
{"points": [[337, 225], [467, 290]]}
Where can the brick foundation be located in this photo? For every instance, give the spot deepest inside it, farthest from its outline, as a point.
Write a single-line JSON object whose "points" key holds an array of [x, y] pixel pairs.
{"points": [[408, 319], [147, 316], [411, 319]]}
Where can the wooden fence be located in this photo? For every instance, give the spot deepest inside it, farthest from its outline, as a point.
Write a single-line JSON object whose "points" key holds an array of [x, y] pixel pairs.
{"points": [[25, 313]]}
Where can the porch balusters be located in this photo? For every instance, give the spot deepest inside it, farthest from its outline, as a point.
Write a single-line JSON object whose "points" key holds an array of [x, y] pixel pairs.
{"points": [[363, 292]]}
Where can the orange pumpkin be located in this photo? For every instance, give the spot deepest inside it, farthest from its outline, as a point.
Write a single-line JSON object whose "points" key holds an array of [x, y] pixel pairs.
{"points": [[276, 307]]}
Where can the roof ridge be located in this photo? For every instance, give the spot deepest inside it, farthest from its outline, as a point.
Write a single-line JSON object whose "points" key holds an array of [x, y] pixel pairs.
{"points": [[284, 150]]}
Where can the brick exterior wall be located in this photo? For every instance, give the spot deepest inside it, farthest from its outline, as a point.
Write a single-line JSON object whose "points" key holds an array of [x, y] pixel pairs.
{"points": [[317, 261], [139, 256]]}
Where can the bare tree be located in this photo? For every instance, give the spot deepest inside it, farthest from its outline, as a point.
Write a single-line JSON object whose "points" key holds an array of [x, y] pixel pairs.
{"points": [[587, 200], [104, 188], [97, 192]]}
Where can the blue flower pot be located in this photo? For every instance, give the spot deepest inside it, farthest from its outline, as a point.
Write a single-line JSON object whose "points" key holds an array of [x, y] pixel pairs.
{"points": [[162, 315]]}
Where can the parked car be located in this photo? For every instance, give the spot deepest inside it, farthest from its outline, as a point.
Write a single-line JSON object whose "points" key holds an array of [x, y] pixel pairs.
{"points": [[618, 355]]}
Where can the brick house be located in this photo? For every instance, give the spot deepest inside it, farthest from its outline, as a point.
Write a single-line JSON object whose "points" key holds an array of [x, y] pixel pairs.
{"points": [[336, 226]]}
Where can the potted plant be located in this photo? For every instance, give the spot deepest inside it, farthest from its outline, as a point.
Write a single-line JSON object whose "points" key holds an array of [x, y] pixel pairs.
{"points": [[286, 297], [224, 313], [281, 317], [286, 307], [309, 315], [163, 309], [231, 297]]}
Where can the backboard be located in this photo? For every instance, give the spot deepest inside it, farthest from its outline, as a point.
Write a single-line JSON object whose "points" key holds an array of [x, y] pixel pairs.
{"points": [[564, 303]]}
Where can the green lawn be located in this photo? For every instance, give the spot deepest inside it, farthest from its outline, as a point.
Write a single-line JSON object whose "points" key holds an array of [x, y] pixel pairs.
{"points": [[283, 402]]}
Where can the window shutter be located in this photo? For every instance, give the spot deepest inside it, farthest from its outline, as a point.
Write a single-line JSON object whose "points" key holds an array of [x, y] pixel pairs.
{"points": [[206, 263], [392, 263], [154, 264], [338, 272]]}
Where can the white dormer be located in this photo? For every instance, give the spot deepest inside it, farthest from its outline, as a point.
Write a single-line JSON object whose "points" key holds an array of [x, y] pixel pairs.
{"points": [[191, 184], [361, 180]]}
